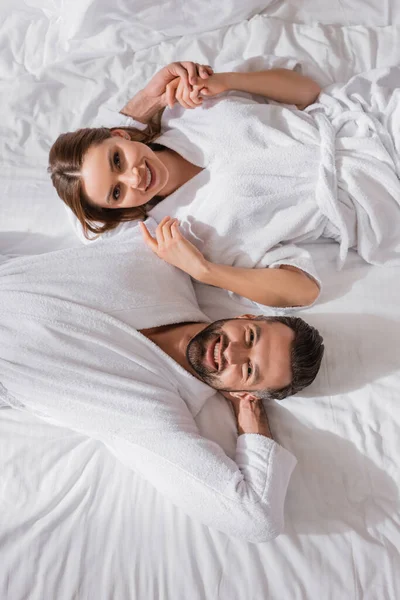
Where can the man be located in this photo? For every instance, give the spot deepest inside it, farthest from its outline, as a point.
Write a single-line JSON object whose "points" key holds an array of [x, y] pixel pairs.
{"points": [[110, 341]]}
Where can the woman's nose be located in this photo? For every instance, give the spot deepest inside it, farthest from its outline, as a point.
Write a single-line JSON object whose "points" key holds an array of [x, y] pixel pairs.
{"points": [[235, 353], [134, 178]]}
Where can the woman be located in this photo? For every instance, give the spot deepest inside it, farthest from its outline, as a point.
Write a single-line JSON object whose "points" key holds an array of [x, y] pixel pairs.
{"points": [[247, 180]]}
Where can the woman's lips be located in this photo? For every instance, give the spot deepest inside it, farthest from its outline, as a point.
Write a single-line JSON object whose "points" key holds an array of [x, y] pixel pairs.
{"points": [[153, 176]]}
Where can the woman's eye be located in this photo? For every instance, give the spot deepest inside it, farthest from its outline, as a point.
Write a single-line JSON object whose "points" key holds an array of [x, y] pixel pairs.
{"points": [[116, 193], [117, 160], [251, 336]]}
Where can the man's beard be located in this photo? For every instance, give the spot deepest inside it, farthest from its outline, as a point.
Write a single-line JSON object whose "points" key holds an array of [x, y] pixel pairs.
{"points": [[197, 349]]}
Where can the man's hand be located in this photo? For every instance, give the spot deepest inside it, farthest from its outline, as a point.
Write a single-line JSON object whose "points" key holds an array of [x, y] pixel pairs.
{"points": [[170, 245], [250, 415]]}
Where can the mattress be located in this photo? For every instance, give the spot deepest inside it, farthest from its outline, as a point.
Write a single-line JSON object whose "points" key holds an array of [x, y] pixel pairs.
{"points": [[75, 524]]}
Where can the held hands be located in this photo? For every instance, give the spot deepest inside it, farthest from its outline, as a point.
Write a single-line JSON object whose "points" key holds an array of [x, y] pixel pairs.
{"points": [[170, 245], [214, 84], [164, 84]]}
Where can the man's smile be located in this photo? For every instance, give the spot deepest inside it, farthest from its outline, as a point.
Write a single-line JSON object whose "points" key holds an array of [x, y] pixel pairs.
{"points": [[214, 358]]}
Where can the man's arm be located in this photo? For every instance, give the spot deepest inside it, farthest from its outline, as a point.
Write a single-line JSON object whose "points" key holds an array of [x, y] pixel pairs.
{"points": [[243, 498]]}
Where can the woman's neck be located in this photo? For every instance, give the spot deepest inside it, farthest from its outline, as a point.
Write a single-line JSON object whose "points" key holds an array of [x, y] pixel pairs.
{"points": [[180, 170]]}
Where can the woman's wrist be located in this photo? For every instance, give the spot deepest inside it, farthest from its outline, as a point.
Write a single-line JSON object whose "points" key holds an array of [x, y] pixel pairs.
{"points": [[142, 107], [204, 272], [225, 81]]}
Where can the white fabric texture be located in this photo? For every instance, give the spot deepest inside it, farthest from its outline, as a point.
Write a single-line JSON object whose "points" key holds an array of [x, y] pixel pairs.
{"points": [[68, 327]]}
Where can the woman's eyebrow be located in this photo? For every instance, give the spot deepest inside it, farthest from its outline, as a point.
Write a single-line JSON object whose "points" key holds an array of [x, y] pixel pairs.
{"points": [[110, 162], [110, 158]]}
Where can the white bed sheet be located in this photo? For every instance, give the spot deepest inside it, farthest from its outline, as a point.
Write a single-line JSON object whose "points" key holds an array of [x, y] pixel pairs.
{"points": [[77, 525], [371, 13]]}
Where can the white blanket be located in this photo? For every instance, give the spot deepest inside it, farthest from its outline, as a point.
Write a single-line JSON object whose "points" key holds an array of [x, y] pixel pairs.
{"points": [[68, 329]]}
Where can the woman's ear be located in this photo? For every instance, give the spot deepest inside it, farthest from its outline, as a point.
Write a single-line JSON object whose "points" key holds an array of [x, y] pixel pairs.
{"points": [[246, 316], [120, 133]]}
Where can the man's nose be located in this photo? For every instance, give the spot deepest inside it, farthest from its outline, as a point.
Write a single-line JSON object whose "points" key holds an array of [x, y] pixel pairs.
{"points": [[235, 353]]}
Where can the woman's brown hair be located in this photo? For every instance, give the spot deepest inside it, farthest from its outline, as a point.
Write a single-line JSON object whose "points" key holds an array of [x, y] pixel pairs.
{"points": [[65, 163]]}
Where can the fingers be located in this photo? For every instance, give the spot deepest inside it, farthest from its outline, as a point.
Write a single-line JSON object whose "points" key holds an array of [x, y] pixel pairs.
{"points": [[149, 240], [160, 231], [164, 231], [175, 231], [181, 71], [180, 89], [182, 95], [192, 70], [170, 92], [195, 70], [195, 95], [205, 71]]}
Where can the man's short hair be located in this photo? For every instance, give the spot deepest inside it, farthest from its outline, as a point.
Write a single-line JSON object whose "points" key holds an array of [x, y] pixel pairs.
{"points": [[306, 355]]}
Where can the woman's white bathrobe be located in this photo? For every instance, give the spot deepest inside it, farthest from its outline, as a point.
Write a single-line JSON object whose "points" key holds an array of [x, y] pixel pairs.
{"points": [[275, 176], [70, 351]]}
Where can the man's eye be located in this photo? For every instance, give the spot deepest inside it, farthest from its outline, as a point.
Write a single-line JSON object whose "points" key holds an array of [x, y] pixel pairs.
{"points": [[249, 370], [117, 160], [116, 193], [252, 336]]}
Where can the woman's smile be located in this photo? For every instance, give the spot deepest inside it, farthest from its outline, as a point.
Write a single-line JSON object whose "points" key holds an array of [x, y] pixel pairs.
{"points": [[119, 173], [151, 180]]}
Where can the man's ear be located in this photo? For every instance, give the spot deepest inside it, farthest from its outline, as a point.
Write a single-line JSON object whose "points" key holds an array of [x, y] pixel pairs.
{"points": [[120, 133], [246, 317]]}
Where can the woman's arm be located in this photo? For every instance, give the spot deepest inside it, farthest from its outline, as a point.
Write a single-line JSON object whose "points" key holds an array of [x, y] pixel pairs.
{"points": [[160, 91], [282, 287], [281, 85]]}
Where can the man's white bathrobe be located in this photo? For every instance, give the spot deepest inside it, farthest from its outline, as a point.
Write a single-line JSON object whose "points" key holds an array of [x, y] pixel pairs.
{"points": [[70, 351]]}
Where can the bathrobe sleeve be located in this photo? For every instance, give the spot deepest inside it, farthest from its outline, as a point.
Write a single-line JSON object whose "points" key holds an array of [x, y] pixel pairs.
{"points": [[242, 498]]}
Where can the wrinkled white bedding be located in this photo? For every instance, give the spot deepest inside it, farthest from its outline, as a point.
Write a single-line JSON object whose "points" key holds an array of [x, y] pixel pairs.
{"points": [[76, 524]]}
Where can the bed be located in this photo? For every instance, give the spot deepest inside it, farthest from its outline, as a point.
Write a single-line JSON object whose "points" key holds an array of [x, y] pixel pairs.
{"points": [[75, 524]]}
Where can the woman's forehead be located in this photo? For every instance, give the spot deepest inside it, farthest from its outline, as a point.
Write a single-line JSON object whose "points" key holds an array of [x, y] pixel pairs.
{"points": [[96, 171]]}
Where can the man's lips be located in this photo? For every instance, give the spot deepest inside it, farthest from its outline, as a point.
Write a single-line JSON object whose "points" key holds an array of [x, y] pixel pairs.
{"points": [[210, 354]]}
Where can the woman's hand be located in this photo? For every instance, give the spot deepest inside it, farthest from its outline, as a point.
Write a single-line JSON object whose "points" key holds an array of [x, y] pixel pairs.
{"points": [[191, 97], [184, 73], [170, 245], [216, 84]]}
